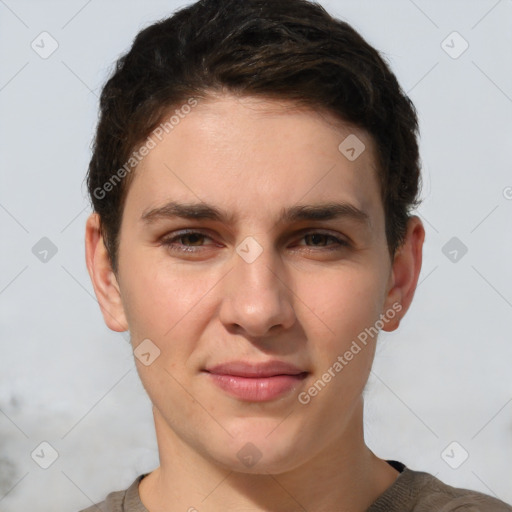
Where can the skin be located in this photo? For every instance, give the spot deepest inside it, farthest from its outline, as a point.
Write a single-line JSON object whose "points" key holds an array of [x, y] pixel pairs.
{"points": [[298, 302]]}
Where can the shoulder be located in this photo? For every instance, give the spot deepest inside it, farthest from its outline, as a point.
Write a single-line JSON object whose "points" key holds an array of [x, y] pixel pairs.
{"points": [[127, 500], [436, 495], [418, 491]]}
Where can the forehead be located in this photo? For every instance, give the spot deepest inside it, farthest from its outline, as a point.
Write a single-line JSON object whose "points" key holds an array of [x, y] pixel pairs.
{"points": [[255, 157]]}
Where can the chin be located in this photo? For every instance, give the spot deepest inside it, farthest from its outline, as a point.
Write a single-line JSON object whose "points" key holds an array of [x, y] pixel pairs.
{"points": [[255, 451]]}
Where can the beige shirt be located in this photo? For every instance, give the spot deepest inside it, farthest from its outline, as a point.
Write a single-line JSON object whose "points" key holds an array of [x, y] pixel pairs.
{"points": [[412, 491]]}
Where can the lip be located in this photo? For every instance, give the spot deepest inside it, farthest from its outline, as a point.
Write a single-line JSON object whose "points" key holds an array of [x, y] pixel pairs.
{"points": [[246, 369], [256, 382]]}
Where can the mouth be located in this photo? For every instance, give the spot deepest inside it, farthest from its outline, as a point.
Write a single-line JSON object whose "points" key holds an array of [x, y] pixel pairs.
{"points": [[256, 382]]}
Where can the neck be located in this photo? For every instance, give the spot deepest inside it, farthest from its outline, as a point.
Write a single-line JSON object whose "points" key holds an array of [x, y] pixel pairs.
{"points": [[345, 475]]}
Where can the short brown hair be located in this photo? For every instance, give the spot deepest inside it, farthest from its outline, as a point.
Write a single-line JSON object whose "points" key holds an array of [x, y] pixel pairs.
{"points": [[277, 49]]}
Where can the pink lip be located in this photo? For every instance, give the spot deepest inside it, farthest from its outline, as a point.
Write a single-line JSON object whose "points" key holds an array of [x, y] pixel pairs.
{"points": [[256, 382]]}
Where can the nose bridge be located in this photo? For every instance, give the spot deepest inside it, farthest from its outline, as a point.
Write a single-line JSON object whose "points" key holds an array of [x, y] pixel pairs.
{"points": [[257, 266], [257, 295]]}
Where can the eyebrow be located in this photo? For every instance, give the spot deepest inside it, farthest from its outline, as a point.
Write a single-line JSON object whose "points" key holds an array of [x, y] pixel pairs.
{"points": [[204, 211]]}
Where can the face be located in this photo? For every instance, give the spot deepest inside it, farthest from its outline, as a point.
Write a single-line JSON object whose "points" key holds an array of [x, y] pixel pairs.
{"points": [[253, 257]]}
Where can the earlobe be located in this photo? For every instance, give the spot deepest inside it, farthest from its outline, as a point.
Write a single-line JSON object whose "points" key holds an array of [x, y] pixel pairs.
{"points": [[102, 276], [405, 273]]}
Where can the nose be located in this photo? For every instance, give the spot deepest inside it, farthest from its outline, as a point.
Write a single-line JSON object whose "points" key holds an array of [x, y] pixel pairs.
{"points": [[257, 296]]}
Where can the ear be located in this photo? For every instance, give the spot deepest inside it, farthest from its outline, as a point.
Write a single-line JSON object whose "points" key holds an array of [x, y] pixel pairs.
{"points": [[102, 276], [404, 273]]}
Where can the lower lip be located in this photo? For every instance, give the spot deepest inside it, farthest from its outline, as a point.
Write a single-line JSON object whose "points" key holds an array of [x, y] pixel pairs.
{"points": [[257, 389]]}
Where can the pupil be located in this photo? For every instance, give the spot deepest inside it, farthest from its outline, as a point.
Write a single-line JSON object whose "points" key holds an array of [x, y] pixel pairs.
{"points": [[193, 238], [317, 239]]}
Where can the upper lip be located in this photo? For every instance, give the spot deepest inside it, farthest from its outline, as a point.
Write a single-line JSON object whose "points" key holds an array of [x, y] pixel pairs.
{"points": [[247, 369]]}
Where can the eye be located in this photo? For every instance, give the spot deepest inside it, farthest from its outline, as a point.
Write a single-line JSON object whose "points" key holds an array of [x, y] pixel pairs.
{"points": [[317, 239], [185, 241]]}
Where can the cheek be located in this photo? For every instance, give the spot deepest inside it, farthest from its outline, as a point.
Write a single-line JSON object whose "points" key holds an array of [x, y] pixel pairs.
{"points": [[159, 300], [341, 340], [168, 307], [342, 304]]}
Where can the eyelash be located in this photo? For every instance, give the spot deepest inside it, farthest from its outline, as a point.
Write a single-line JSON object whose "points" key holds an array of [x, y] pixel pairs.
{"points": [[170, 242]]}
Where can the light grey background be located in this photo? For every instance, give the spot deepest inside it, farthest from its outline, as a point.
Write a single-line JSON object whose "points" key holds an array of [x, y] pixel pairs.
{"points": [[444, 376]]}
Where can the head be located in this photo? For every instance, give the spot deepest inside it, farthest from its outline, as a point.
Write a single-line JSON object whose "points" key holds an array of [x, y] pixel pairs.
{"points": [[281, 142]]}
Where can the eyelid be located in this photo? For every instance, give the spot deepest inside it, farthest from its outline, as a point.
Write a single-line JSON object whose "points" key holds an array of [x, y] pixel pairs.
{"points": [[319, 231], [188, 231], [171, 237]]}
